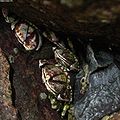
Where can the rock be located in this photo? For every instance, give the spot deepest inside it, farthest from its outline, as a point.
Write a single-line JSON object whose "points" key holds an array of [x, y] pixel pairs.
{"points": [[103, 95], [7, 110]]}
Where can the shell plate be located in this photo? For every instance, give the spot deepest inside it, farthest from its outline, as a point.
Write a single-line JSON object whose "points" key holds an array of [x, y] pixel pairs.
{"points": [[57, 81], [27, 35]]}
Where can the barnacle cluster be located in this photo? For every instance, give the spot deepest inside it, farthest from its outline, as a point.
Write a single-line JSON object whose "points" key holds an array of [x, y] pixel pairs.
{"points": [[55, 73], [98, 77], [56, 76]]}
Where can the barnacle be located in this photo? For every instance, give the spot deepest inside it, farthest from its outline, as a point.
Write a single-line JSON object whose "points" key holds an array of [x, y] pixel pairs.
{"points": [[27, 33], [28, 36], [57, 82]]}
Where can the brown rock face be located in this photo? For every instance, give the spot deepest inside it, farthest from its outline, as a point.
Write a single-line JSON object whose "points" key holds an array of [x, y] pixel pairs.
{"points": [[7, 110]]}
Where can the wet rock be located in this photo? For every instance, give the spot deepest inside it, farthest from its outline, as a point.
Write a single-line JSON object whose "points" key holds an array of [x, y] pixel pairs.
{"points": [[7, 110], [103, 95], [98, 59]]}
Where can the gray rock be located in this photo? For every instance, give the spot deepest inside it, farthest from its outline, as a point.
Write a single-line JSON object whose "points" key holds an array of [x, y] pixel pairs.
{"points": [[103, 95]]}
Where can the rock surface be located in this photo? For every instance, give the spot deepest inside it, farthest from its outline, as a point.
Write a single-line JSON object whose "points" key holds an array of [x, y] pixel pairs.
{"points": [[103, 95], [7, 110]]}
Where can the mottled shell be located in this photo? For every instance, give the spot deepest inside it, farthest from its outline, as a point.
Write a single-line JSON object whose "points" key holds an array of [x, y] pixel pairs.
{"points": [[57, 82], [66, 58], [63, 56], [28, 36], [27, 33]]}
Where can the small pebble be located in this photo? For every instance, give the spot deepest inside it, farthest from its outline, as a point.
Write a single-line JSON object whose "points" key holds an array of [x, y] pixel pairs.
{"points": [[43, 96], [11, 59], [15, 50]]}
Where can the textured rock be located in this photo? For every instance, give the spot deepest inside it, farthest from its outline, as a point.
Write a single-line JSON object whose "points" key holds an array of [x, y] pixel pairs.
{"points": [[103, 95], [7, 110]]}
